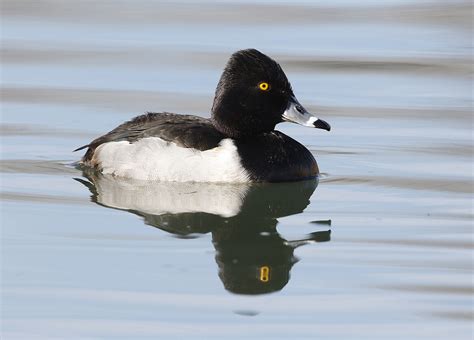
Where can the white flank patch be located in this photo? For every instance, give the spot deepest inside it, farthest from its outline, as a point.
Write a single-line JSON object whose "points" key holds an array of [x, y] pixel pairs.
{"points": [[158, 198], [155, 159]]}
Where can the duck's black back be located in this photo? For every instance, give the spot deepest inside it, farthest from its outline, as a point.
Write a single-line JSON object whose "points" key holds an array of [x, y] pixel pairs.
{"points": [[183, 130]]}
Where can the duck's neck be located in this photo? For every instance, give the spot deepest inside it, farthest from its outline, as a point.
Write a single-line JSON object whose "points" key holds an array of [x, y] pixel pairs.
{"points": [[240, 126]]}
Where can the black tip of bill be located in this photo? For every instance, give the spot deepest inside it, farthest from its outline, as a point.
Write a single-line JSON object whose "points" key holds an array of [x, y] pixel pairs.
{"points": [[321, 124]]}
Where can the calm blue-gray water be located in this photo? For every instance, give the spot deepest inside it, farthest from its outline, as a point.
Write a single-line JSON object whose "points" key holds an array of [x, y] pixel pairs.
{"points": [[380, 248]]}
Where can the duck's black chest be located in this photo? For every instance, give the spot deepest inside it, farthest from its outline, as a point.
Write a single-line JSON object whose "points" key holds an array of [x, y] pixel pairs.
{"points": [[275, 157]]}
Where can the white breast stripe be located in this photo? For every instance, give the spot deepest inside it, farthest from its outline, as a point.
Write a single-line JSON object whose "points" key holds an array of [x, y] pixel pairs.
{"points": [[155, 159]]}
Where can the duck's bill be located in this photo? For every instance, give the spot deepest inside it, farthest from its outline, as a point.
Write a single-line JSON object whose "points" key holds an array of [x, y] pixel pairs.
{"points": [[296, 113]]}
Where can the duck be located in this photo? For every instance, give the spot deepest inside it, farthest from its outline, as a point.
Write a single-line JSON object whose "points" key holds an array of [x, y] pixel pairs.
{"points": [[237, 144]]}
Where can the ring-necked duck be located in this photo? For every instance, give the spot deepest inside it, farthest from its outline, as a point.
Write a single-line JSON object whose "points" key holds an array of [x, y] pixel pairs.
{"points": [[238, 143]]}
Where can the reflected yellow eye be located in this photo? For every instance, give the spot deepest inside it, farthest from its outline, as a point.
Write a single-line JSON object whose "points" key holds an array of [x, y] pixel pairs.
{"points": [[264, 274], [264, 86]]}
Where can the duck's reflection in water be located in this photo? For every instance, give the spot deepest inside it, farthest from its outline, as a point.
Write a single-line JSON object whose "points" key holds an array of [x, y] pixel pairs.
{"points": [[253, 258]]}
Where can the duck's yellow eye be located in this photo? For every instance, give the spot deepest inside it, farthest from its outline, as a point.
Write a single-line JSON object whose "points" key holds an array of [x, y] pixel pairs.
{"points": [[264, 86]]}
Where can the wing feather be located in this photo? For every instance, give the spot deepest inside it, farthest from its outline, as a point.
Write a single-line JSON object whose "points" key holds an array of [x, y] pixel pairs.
{"points": [[184, 130]]}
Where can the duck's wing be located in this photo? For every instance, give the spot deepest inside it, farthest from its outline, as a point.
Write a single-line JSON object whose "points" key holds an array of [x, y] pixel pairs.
{"points": [[183, 130]]}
